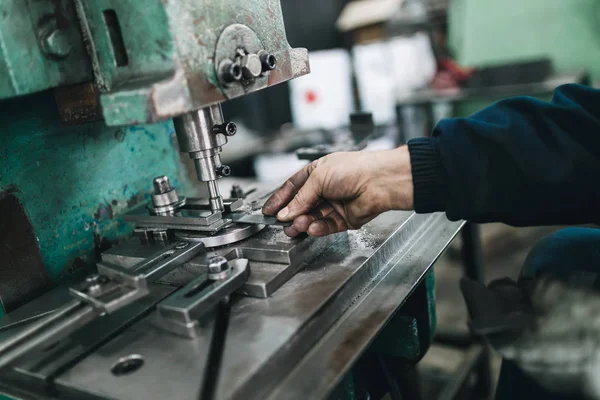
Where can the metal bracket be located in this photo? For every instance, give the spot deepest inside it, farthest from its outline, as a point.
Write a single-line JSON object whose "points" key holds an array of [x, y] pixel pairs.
{"points": [[180, 312], [112, 289]]}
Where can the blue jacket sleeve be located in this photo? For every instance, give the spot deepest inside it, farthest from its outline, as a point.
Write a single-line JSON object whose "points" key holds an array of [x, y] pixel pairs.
{"points": [[520, 161]]}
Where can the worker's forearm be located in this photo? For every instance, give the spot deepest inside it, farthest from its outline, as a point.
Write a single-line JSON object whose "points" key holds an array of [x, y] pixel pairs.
{"points": [[520, 161]]}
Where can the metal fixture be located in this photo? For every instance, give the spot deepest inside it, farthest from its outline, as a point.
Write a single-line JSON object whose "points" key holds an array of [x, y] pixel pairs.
{"points": [[165, 199], [218, 268], [180, 313], [196, 136]]}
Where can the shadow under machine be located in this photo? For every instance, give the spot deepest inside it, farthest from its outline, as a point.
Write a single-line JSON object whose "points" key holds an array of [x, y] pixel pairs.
{"points": [[198, 297]]}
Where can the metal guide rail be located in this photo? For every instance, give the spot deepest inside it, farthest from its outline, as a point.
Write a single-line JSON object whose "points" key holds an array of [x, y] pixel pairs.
{"points": [[160, 322]]}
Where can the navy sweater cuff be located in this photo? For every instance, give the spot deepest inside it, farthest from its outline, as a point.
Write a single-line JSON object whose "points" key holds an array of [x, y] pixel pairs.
{"points": [[429, 175]]}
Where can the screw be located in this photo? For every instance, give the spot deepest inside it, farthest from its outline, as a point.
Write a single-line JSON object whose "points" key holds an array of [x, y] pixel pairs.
{"points": [[224, 171], [228, 129], [230, 71], [162, 184], [269, 62], [182, 245], [218, 268], [237, 192], [251, 66], [56, 43]]}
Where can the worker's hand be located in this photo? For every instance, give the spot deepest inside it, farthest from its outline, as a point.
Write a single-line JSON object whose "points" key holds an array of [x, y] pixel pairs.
{"points": [[343, 191]]}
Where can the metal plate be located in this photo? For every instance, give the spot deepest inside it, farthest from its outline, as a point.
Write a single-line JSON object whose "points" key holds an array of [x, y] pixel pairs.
{"points": [[244, 218], [35, 372], [229, 235], [197, 220], [267, 338]]}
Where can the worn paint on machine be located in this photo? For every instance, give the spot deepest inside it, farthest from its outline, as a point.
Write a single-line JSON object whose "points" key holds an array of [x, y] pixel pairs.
{"points": [[75, 182]]}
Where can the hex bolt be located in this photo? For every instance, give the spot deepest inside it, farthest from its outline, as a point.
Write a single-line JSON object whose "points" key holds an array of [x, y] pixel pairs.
{"points": [[182, 245], [230, 71], [251, 66], [218, 268], [227, 129], [237, 192], [162, 184], [223, 171], [55, 43], [269, 61]]}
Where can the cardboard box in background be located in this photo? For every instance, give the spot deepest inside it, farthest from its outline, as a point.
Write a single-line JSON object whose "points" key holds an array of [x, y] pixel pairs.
{"points": [[323, 99]]}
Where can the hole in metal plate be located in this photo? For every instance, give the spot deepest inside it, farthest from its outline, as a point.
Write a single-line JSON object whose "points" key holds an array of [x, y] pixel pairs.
{"points": [[127, 365]]}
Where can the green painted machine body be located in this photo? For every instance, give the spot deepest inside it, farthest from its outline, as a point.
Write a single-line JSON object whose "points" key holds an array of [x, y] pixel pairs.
{"points": [[75, 182], [40, 47]]}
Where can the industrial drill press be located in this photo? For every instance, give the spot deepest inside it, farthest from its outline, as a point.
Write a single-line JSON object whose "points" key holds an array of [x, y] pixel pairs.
{"points": [[190, 297]]}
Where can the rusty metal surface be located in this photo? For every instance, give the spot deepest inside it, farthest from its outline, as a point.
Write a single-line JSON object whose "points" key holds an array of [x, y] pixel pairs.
{"points": [[78, 104]]}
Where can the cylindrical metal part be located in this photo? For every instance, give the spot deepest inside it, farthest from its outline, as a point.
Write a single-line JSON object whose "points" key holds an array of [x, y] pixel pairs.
{"points": [[165, 199], [206, 164], [218, 268], [161, 184], [215, 199], [195, 130]]}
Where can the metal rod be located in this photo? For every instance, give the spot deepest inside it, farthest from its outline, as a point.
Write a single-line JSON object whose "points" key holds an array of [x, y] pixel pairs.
{"points": [[215, 199], [38, 326], [51, 329]]}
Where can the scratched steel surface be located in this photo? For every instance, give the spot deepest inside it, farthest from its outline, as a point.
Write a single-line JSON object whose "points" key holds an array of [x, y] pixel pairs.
{"points": [[76, 182]]}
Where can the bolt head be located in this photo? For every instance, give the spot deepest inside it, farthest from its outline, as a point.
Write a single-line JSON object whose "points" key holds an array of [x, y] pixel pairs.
{"points": [[230, 129], [218, 265], [230, 71], [224, 171], [182, 245], [56, 43], [269, 61], [161, 184], [251, 66]]}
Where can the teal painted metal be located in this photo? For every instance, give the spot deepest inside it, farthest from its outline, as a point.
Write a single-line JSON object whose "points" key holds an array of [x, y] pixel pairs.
{"points": [[431, 301], [400, 338], [40, 47], [486, 32], [75, 182]]}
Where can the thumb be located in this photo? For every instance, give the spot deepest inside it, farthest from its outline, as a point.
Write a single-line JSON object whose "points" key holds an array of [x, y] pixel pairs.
{"points": [[304, 201]]}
